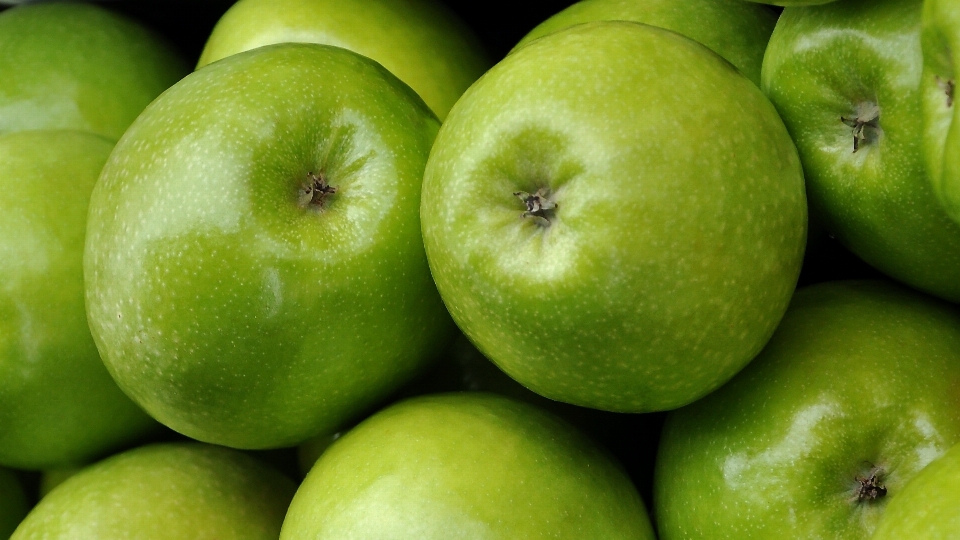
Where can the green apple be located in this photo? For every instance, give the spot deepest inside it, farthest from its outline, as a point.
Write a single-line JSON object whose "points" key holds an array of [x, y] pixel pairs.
{"points": [[846, 80], [589, 229], [52, 478], [78, 66], [737, 31], [929, 506], [254, 268], [13, 503], [853, 396], [468, 465], [940, 38], [58, 404], [419, 41], [184, 491]]}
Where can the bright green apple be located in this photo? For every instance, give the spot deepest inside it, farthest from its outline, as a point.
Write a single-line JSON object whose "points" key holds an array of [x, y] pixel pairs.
{"points": [[254, 268], [846, 80], [78, 66], [58, 404], [13, 503], [940, 40], [853, 396], [419, 41], [929, 506], [467, 465], [184, 491], [737, 31], [594, 227]]}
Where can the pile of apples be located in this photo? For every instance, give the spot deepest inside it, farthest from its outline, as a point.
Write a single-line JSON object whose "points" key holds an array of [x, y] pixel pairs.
{"points": [[351, 279]]}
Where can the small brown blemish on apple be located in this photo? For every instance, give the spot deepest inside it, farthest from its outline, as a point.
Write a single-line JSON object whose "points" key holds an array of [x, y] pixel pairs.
{"points": [[868, 116], [870, 487], [947, 85], [539, 206], [315, 191]]}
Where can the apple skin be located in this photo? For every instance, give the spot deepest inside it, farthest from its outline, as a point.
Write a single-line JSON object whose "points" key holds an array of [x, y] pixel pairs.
{"points": [[737, 31], [666, 266], [468, 465], [230, 308], [58, 404], [13, 503], [858, 375], [940, 38], [842, 60], [78, 66], [928, 508], [419, 41], [181, 491]]}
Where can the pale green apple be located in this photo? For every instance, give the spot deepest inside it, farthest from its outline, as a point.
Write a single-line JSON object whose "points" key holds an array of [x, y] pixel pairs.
{"points": [[846, 80], [940, 41], [736, 30], [929, 506], [254, 268], [183, 491], [13, 503], [467, 466], [615, 216], [78, 66], [58, 404], [419, 41], [853, 396]]}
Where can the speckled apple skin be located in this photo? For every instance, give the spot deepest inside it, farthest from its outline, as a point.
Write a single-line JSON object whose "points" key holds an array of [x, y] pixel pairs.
{"points": [[13, 503], [929, 506], [183, 491], [224, 307], [420, 41], [737, 31], [78, 66], [822, 64], [858, 375], [58, 404], [468, 466], [679, 228], [940, 40]]}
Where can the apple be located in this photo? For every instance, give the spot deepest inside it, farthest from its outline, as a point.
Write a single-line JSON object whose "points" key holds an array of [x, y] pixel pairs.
{"points": [[58, 404], [589, 230], [78, 66], [737, 31], [13, 503], [929, 506], [846, 80], [254, 268], [468, 465], [419, 41], [853, 396], [187, 491], [941, 143]]}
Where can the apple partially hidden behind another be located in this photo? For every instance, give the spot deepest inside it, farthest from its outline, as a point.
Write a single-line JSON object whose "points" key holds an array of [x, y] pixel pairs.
{"points": [[13, 503], [941, 44], [589, 230], [467, 465], [78, 66], [182, 491], [929, 506], [419, 41], [255, 273], [58, 404], [737, 31], [854, 395]]}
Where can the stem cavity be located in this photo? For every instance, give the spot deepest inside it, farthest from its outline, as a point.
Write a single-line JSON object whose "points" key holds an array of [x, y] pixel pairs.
{"points": [[947, 85], [539, 206], [870, 487], [868, 116], [315, 191]]}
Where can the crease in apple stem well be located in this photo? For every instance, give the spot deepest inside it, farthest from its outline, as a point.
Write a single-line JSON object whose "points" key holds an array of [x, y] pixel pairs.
{"points": [[869, 116], [948, 86], [538, 205], [316, 190]]}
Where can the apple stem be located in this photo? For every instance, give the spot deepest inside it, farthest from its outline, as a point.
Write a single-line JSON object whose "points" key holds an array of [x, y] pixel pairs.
{"points": [[316, 190], [947, 85], [870, 488], [869, 116], [538, 205]]}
